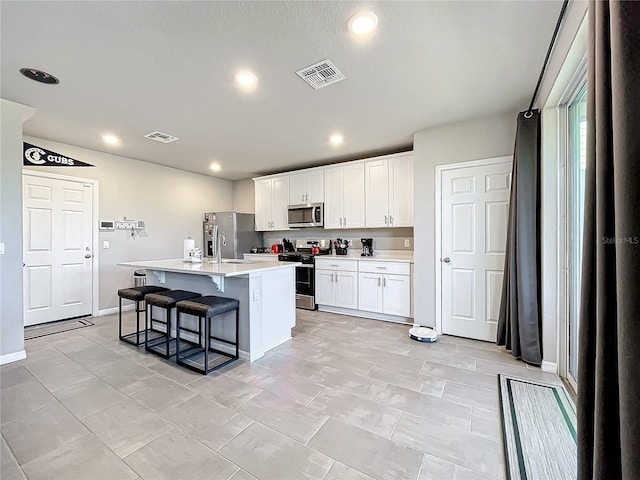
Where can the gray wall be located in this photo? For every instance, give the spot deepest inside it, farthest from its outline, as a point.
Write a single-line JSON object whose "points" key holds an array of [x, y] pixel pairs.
{"points": [[11, 305], [459, 142], [170, 201], [243, 196]]}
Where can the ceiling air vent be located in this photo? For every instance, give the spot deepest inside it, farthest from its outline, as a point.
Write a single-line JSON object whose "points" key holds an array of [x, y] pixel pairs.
{"points": [[161, 137], [321, 74]]}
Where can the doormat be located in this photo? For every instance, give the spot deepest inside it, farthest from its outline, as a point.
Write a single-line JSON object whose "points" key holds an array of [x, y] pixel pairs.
{"points": [[539, 428], [37, 331]]}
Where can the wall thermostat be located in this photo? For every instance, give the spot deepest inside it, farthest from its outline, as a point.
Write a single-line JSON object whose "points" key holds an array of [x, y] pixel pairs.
{"points": [[107, 225]]}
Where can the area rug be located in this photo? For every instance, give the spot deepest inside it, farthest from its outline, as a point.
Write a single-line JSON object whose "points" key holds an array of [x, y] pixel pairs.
{"points": [[52, 328], [539, 428]]}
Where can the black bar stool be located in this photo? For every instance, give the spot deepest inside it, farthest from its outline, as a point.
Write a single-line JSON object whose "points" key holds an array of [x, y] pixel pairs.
{"points": [[162, 342], [196, 357], [136, 294]]}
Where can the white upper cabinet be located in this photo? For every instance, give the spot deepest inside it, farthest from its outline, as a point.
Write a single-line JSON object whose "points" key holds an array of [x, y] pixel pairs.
{"points": [[271, 201], [389, 192], [344, 196], [306, 187]]}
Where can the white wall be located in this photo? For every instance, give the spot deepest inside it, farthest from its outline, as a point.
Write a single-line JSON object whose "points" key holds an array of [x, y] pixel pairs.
{"points": [[244, 196], [11, 305], [170, 201], [459, 142]]}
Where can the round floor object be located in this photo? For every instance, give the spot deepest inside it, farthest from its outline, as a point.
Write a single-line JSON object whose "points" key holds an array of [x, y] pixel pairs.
{"points": [[423, 334]]}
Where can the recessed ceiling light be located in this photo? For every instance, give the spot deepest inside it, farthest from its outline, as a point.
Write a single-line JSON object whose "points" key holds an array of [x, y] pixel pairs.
{"points": [[215, 167], [39, 76], [363, 22], [336, 139], [246, 78], [110, 139]]}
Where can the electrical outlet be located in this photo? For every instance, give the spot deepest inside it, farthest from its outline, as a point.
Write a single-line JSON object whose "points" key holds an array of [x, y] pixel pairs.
{"points": [[406, 242], [105, 244]]}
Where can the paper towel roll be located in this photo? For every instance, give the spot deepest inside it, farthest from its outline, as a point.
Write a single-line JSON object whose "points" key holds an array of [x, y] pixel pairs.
{"points": [[189, 245]]}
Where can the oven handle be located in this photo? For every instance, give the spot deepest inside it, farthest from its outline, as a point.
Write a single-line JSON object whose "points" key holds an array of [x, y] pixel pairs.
{"points": [[305, 265]]}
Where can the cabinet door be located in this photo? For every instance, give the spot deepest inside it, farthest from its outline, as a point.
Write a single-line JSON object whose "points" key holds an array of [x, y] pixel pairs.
{"points": [[279, 202], [370, 292], [401, 191], [377, 193], [298, 189], [396, 295], [333, 197], [263, 204], [346, 293], [324, 287], [353, 203], [315, 188]]}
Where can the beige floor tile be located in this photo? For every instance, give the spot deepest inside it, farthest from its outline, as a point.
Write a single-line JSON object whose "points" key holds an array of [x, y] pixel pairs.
{"points": [[486, 423], [411, 380], [434, 468], [225, 390], [169, 369], [467, 342], [451, 357], [366, 452], [340, 471], [242, 475], [94, 356], [208, 422], [122, 374], [125, 427], [284, 415], [521, 371], [243, 371], [472, 396], [60, 375], [158, 393], [86, 398], [85, 458], [73, 344], [12, 375], [41, 432], [365, 387], [174, 455], [341, 362], [460, 375], [23, 398], [367, 414], [450, 443], [267, 455], [293, 388], [461, 473], [9, 468], [424, 405]]}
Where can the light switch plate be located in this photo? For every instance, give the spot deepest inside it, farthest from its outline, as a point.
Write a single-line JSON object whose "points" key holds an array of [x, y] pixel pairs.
{"points": [[105, 244], [406, 242]]}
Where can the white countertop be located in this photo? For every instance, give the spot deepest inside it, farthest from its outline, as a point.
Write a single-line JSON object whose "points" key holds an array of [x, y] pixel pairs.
{"points": [[381, 257], [205, 268]]}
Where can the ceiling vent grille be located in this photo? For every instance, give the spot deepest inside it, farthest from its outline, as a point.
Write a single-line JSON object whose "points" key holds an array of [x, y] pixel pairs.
{"points": [[161, 137], [321, 74]]}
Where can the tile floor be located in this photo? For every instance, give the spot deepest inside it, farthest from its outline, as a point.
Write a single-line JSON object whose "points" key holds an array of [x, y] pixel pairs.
{"points": [[346, 398]]}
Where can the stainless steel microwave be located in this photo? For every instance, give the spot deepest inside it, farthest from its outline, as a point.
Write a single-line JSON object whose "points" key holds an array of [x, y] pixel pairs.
{"points": [[305, 215]]}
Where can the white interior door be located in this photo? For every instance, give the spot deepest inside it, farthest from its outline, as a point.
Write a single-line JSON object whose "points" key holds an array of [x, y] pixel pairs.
{"points": [[58, 257], [474, 209]]}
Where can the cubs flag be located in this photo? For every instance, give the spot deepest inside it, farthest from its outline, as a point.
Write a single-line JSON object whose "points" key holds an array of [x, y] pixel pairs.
{"points": [[41, 156]]}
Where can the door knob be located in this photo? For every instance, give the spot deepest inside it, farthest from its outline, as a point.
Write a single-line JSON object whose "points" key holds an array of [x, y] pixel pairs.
{"points": [[88, 255], [446, 260]]}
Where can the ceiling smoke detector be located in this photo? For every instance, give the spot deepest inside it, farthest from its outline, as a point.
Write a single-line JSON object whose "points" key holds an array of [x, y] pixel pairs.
{"points": [[321, 74], [161, 137]]}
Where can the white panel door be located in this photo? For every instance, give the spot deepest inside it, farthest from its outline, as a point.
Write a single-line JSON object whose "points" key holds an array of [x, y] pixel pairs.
{"points": [[263, 204], [475, 205], [279, 202], [57, 249], [346, 293], [377, 193], [353, 202], [370, 292], [401, 191], [396, 295], [333, 197]]}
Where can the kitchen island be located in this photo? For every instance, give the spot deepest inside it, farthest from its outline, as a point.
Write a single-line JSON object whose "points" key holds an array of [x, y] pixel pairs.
{"points": [[266, 292]]}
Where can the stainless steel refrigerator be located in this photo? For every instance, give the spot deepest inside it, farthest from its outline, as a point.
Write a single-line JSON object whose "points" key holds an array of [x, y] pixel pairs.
{"points": [[238, 228]]}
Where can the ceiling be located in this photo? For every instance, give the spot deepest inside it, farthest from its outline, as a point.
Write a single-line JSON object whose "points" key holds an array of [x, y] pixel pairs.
{"points": [[131, 68]]}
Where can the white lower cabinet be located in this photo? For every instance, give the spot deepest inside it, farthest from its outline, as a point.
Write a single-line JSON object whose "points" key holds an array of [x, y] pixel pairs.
{"points": [[337, 283], [385, 293]]}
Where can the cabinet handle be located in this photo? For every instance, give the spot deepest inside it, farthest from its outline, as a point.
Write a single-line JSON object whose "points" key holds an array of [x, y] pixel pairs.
{"points": [[345, 222], [340, 222], [390, 220], [307, 197], [378, 281], [336, 277], [384, 281], [303, 198], [385, 220], [381, 268], [335, 265]]}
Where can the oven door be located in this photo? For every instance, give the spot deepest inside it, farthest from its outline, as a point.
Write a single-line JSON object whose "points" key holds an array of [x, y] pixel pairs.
{"points": [[305, 287]]}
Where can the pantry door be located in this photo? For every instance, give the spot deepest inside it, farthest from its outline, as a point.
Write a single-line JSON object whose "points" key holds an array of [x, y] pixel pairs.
{"points": [[474, 208], [58, 248]]}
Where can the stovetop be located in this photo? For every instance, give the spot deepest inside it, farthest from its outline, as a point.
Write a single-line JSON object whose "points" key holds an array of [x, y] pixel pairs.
{"points": [[304, 251]]}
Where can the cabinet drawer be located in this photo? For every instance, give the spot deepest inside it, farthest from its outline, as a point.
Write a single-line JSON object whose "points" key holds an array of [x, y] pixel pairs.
{"points": [[336, 265], [396, 268]]}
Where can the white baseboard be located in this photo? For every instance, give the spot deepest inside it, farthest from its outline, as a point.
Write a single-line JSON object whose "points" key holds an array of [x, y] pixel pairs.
{"points": [[114, 310], [550, 367], [363, 314], [12, 357]]}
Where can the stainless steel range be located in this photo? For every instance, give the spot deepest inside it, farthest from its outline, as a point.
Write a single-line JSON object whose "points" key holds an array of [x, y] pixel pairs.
{"points": [[305, 252]]}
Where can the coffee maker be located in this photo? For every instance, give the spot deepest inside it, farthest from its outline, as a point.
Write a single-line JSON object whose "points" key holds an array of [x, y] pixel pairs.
{"points": [[367, 247]]}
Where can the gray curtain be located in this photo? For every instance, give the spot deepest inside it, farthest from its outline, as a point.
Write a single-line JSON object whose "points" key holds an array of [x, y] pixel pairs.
{"points": [[609, 350], [520, 319]]}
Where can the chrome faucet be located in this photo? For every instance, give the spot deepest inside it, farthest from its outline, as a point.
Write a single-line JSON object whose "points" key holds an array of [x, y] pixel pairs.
{"points": [[218, 237]]}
